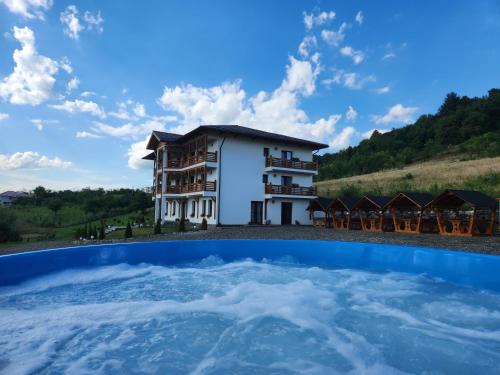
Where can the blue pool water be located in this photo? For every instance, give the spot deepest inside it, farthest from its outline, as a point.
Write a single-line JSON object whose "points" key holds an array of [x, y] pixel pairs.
{"points": [[223, 308]]}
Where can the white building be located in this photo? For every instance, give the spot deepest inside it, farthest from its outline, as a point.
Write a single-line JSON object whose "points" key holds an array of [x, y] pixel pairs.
{"points": [[9, 197], [232, 175]]}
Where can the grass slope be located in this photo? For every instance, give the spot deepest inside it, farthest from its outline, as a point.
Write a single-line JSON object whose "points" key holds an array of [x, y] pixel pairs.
{"points": [[432, 176]]}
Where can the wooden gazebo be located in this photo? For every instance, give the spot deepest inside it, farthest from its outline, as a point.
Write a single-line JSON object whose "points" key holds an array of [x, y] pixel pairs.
{"points": [[319, 204], [411, 213], [342, 214], [464, 213], [373, 213]]}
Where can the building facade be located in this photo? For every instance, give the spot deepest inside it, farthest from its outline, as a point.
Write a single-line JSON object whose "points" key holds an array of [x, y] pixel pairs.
{"points": [[232, 175]]}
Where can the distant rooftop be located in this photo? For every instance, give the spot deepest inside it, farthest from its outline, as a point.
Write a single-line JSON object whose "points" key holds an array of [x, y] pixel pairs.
{"points": [[158, 136], [13, 194]]}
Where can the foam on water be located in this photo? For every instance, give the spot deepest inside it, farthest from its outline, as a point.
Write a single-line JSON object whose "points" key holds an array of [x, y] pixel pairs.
{"points": [[246, 318]]}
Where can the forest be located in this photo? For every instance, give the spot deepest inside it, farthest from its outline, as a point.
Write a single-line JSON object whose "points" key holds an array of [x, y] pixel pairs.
{"points": [[463, 127]]}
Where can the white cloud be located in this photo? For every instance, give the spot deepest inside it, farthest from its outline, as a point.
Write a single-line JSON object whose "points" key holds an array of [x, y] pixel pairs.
{"points": [[308, 43], [351, 114], [28, 8], [32, 80], [357, 56], [31, 159], [311, 20], [94, 22], [84, 134], [353, 81], [369, 133], [334, 38], [73, 84], [39, 123], [397, 113], [128, 130], [4, 116], [81, 106], [87, 94], [74, 24], [343, 139], [135, 154], [277, 111], [389, 55], [121, 114], [359, 17], [383, 90], [139, 110]]}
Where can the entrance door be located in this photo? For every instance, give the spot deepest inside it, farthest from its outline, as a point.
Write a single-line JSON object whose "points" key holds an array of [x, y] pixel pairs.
{"points": [[286, 213], [256, 212]]}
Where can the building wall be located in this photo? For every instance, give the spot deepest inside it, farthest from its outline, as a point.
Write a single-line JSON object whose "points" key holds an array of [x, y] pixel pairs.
{"points": [[299, 213], [242, 164]]}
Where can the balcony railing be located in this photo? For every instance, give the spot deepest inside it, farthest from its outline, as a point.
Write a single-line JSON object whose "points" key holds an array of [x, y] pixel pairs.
{"points": [[290, 190], [192, 160], [191, 188], [291, 163]]}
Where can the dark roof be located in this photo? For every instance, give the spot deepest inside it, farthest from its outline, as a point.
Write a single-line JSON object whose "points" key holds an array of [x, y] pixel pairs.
{"points": [[346, 203], [407, 199], [233, 130], [14, 194], [157, 136], [150, 156], [455, 198], [372, 201], [319, 204]]}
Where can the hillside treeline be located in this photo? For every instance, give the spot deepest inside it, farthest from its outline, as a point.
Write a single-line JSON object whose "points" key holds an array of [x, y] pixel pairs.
{"points": [[465, 127]]}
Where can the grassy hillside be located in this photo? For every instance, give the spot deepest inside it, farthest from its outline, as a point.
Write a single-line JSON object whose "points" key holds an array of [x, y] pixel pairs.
{"points": [[433, 176], [465, 128], [47, 215]]}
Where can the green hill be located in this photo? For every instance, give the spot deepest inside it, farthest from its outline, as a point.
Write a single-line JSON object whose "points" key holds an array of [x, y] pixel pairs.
{"points": [[463, 127]]}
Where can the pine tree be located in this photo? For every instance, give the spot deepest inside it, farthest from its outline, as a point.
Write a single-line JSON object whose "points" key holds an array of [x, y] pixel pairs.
{"points": [[204, 224], [128, 230], [102, 233], [157, 229], [182, 225]]}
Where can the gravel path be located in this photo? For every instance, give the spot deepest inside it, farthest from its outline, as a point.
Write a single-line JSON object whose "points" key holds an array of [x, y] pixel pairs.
{"points": [[488, 245]]}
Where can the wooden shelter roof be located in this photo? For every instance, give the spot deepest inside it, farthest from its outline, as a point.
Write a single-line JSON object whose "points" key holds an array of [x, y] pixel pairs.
{"points": [[343, 203], [372, 202], [456, 198], [319, 204], [411, 199]]}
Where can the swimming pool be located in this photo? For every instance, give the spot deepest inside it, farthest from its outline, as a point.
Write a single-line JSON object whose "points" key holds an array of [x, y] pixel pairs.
{"points": [[232, 307]]}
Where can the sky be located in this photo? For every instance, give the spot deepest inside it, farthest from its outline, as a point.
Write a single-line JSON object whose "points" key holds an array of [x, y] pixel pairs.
{"points": [[83, 84]]}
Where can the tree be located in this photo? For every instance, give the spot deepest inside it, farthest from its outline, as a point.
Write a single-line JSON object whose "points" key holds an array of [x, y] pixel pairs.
{"points": [[157, 229], [182, 225], [54, 205], [128, 230], [102, 233], [204, 224], [450, 104], [40, 193]]}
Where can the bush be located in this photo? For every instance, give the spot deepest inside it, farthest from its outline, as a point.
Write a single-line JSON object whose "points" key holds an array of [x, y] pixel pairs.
{"points": [[204, 224], [8, 227], [182, 225], [128, 231], [157, 229]]}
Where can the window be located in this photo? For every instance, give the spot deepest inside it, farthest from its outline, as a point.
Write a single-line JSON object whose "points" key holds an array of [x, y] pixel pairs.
{"points": [[204, 208], [173, 208], [192, 180], [193, 208], [287, 155], [265, 178], [166, 208], [209, 208], [266, 152], [286, 180]]}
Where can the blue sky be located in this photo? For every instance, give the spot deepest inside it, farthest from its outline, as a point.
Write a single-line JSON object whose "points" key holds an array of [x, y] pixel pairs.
{"points": [[82, 84]]}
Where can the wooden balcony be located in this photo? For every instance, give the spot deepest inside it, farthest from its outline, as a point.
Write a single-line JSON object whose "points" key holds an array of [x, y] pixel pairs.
{"points": [[191, 188], [290, 190], [291, 163], [192, 160]]}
